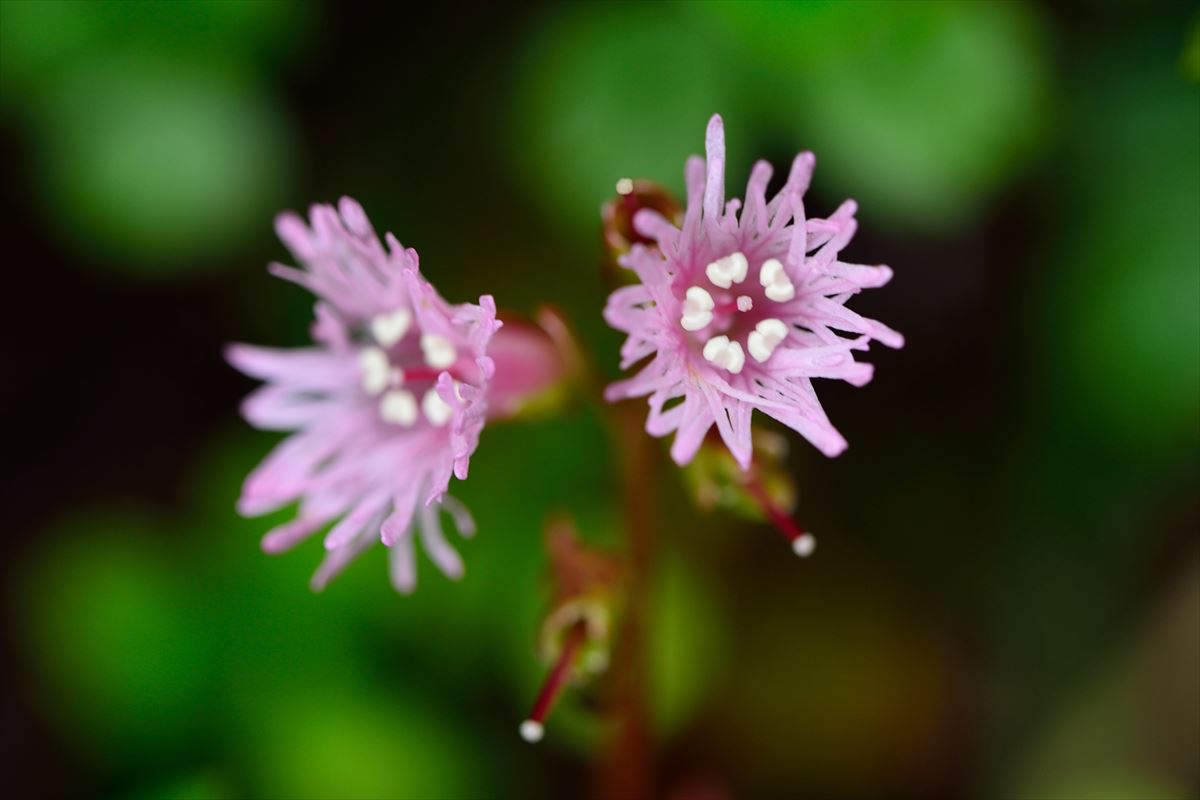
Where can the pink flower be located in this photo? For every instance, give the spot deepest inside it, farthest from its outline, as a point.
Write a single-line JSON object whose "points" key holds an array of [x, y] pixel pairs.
{"points": [[739, 312], [388, 403]]}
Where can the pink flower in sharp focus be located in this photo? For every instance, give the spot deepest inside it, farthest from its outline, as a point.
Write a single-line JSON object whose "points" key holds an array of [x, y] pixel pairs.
{"points": [[740, 311], [383, 409]]}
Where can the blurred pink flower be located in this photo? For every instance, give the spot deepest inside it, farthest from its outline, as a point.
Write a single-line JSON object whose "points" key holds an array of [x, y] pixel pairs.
{"points": [[741, 311], [383, 409]]}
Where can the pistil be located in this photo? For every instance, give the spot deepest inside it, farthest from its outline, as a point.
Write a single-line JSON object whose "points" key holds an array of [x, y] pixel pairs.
{"points": [[533, 727], [803, 542]]}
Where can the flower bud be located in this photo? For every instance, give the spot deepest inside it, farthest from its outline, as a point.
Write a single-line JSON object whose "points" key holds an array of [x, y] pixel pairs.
{"points": [[617, 218]]}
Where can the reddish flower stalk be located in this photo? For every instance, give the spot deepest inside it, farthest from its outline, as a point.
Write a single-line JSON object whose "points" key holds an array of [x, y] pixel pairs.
{"points": [[533, 727], [803, 542]]}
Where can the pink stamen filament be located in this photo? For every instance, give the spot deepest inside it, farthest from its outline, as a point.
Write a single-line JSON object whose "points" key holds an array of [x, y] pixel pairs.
{"points": [[557, 679]]}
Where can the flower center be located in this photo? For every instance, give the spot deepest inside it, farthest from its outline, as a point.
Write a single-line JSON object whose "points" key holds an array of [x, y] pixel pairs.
{"points": [[396, 368], [723, 314]]}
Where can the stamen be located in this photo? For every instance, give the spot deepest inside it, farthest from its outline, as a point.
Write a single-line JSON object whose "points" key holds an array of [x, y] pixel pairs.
{"points": [[723, 353], [765, 337], [398, 407], [437, 410], [390, 328], [697, 309], [725, 272], [776, 281], [533, 727], [374, 365], [745, 302], [439, 351], [803, 542]]}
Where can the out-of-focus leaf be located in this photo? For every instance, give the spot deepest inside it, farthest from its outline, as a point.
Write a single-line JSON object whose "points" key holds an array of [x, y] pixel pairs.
{"points": [[1124, 319], [338, 742], [686, 644], [1189, 61], [150, 164], [206, 785], [40, 40], [921, 110], [115, 637], [607, 92]]}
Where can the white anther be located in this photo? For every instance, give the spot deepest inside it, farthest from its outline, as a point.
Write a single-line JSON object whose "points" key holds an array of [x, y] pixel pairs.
{"points": [[804, 545], [765, 337], [374, 365], [437, 410], [697, 309], [723, 353], [390, 328], [439, 351], [725, 272], [745, 303], [398, 407], [531, 731], [778, 285]]}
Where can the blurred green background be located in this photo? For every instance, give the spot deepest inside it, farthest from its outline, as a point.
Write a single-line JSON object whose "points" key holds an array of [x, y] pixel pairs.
{"points": [[1006, 597]]}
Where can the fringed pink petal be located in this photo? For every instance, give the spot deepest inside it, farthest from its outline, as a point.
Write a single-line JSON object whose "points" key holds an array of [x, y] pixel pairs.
{"points": [[404, 505], [651, 224], [697, 418], [288, 535], [304, 368], [402, 562], [714, 182], [444, 557], [357, 460]]}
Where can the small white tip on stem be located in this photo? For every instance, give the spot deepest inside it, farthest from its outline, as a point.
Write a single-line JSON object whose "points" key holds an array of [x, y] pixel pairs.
{"points": [[804, 544], [531, 731]]}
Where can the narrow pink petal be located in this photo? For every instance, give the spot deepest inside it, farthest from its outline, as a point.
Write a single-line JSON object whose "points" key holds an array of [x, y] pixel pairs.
{"points": [[732, 418], [404, 504], [402, 563], [312, 368], [463, 520], [654, 225], [288, 535], [445, 557], [714, 184], [697, 419], [275, 408], [337, 560]]}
